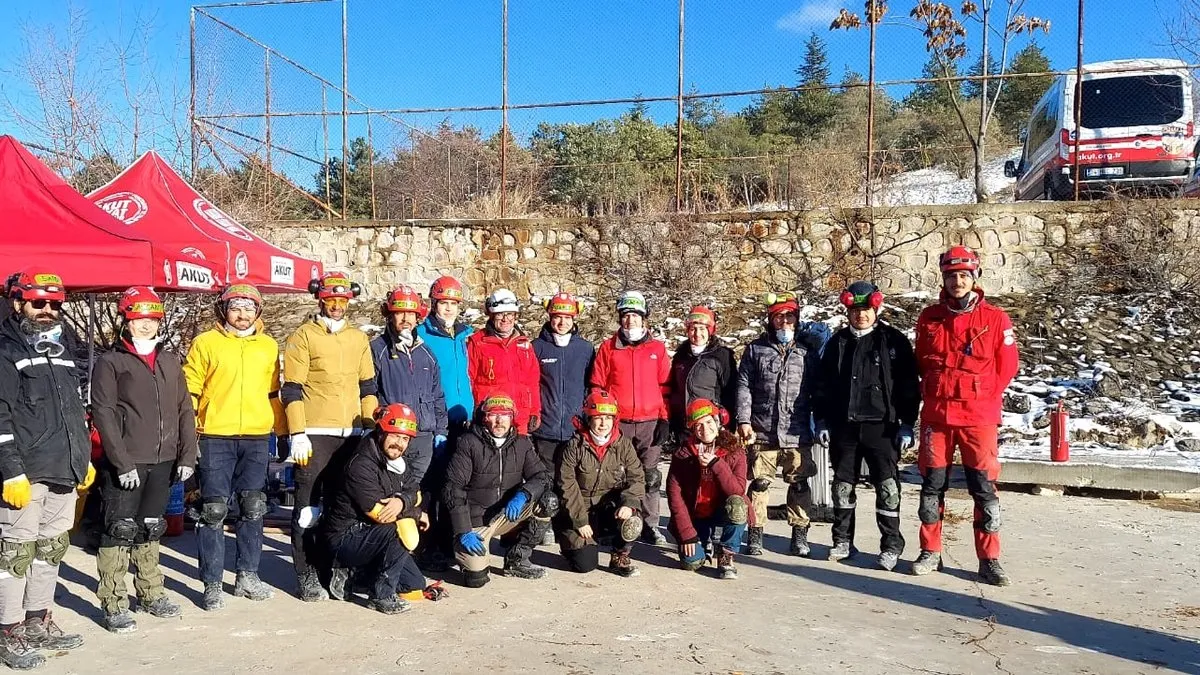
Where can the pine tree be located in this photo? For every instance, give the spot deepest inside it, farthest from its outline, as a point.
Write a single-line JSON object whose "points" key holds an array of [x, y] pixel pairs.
{"points": [[813, 108], [927, 95], [1022, 93], [973, 88]]}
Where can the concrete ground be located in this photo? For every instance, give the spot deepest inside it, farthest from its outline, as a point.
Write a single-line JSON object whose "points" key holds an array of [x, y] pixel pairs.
{"points": [[1101, 587]]}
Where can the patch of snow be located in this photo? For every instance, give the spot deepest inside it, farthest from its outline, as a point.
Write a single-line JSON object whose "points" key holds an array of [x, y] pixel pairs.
{"points": [[941, 185]]}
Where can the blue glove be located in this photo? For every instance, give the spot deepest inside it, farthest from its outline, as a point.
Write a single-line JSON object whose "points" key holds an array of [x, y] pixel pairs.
{"points": [[516, 505], [472, 543], [439, 443]]}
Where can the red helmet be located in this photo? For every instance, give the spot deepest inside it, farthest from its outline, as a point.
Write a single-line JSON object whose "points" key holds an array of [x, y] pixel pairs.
{"points": [[446, 288], [701, 408], [396, 418], [600, 402], [702, 315], [782, 302], [959, 258], [334, 285], [241, 292], [36, 284], [563, 304], [405, 299], [141, 302]]}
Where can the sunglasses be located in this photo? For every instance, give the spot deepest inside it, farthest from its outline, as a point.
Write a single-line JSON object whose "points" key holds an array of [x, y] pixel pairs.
{"points": [[336, 302], [55, 305]]}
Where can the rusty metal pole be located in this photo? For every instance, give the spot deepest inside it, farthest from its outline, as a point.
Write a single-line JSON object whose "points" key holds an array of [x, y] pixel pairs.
{"points": [[504, 110], [1078, 104], [267, 125], [192, 93], [449, 199], [371, 162], [679, 121], [412, 178], [325, 144], [345, 109], [870, 190]]}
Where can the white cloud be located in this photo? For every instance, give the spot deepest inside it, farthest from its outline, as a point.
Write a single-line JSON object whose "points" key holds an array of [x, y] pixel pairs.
{"points": [[814, 13]]}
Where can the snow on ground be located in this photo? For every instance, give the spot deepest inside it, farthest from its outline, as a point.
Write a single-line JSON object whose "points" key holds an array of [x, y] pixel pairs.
{"points": [[942, 185]]}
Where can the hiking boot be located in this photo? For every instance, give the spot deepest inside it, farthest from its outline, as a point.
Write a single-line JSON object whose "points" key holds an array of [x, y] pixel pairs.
{"points": [[547, 538], [475, 579], [120, 622], [248, 585], [214, 596], [308, 587], [725, 566], [840, 551], [17, 653], [990, 572], [43, 633], [620, 565], [523, 569], [754, 541], [161, 607], [799, 545], [389, 605], [927, 562], [339, 583], [653, 536], [888, 560]]}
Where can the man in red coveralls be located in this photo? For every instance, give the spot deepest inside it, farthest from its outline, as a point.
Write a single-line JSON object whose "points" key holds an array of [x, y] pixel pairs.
{"points": [[500, 358], [967, 355]]}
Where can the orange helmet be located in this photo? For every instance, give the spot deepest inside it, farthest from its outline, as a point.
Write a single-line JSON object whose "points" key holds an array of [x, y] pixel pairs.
{"points": [[334, 285], [446, 288], [701, 408], [405, 299], [563, 304], [396, 418], [141, 302], [600, 402], [36, 284], [959, 258]]}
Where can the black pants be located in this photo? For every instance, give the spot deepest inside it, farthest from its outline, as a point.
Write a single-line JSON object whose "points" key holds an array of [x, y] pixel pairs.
{"points": [[548, 450], [873, 442], [375, 548], [309, 489], [146, 502], [583, 555]]}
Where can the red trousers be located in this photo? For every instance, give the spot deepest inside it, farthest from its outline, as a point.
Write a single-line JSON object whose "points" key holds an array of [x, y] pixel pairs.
{"points": [[981, 463]]}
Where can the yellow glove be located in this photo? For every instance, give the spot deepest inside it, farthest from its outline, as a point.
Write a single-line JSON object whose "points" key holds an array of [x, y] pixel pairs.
{"points": [[88, 479], [406, 529], [18, 492]]}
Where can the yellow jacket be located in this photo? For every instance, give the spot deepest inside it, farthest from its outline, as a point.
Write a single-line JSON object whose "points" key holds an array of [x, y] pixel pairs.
{"points": [[234, 383], [328, 381]]}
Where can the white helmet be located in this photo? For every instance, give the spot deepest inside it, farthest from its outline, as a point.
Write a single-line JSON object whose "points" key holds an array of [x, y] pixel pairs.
{"points": [[501, 300], [633, 301]]}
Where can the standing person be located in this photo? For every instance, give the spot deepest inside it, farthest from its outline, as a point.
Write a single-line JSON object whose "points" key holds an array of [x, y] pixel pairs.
{"points": [[701, 368], [967, 356], [566, 359], [497, 486], [602, 483], [328, 396], [633, 367], [501, 358], [407, 372], [232, 373], [44, 452], [864, 408], [775, 379], [706, 489], [143, 411]]}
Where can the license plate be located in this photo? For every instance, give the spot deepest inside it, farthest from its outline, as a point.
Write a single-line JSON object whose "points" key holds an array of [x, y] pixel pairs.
{"points": [[1100, 171]]}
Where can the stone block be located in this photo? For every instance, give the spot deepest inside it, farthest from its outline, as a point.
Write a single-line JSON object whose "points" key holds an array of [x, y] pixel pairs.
{"points": [[508, 239], [564, 252], [1056, 235], [528, 253], [509, 255], [523, 236], [538, 238], [384, 240]]}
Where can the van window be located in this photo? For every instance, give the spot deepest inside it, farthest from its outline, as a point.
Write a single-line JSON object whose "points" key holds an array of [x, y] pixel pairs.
{"points": [[1043, 124], [1134, 100]]}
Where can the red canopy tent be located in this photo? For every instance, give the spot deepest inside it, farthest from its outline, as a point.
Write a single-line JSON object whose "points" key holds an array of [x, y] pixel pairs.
{"points": [[154, 200]]}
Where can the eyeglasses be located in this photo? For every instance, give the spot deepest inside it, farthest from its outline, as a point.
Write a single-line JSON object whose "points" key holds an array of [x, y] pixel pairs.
{"points": [[55, 305]]}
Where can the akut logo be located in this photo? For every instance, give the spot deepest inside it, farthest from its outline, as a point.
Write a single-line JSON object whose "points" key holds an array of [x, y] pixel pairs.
{"points": [[218, 218], [126, 207]]}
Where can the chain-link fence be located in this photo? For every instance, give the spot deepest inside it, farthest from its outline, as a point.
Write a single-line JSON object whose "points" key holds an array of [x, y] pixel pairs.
{"points": [[365, 109]]}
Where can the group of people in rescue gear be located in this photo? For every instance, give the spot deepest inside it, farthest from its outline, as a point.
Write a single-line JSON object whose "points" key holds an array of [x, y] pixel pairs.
{"points": [[438, 438]]}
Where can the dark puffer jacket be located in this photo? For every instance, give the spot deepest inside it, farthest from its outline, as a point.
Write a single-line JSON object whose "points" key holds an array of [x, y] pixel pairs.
{"points": [[711, 374], [482, 478], [360, 482], [412, 377]]}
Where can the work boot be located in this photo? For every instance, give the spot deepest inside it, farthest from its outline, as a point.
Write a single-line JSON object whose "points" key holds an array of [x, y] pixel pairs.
{"points": [[653, 536], [620, 565], [17, 653], [475, 579], [214, 596], [754, 541], [308, 587], [161, 607], [725, 566], [42, 633], [888, 560], [248, 585], [339, 583], [927, 562], [992, 573], [840, 551], [516, 564], [121, 621], [799, 545], [389, 605]]}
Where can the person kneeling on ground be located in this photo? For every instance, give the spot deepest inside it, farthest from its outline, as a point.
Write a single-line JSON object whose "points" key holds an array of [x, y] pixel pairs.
{"points": [[602, 483], [372, 518], [497, 486], [706, 489]]}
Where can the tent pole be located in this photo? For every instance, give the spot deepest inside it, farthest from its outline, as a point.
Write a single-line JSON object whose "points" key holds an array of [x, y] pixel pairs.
{"points": [[91, 339]]}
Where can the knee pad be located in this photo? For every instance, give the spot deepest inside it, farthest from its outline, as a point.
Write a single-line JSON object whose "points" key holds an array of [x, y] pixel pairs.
{"points": [[16, 556], [583, 560], [123, 531], [53, 549], [795, 490], [936, 480], [253, 504], [737, 510], [760, 485], [888, 494], [213, 514], [930, 508], [631, 528], [154, 528], [475, 579], [547, 505], [653, 480], [843, 495], [991, 517], [978, 483]]}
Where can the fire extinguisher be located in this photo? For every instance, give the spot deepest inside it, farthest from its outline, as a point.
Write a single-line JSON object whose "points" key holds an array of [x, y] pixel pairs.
{"points": [[1060, 450]]}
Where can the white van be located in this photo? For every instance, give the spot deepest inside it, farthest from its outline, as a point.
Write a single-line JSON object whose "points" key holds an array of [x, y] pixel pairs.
{"points": [[1136, 130]]}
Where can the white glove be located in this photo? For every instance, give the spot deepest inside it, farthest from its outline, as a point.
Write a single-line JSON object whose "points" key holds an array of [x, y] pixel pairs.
{"points": [[183, 473], [129, 480], [308, 517], [823, 435], [905, 438], [301, 449]]}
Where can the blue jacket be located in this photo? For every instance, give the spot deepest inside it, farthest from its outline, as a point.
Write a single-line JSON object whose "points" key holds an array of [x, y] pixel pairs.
{"points": [[564, 383], [412, 378], [451, 355]]}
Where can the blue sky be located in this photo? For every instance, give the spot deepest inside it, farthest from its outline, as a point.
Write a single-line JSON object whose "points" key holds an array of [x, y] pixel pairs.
{"points": [[434, 53]]}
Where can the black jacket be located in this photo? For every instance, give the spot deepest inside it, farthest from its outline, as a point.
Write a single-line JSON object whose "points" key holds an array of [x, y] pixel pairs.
{"points": [[834, 402], [43, 432], [564, 383], [482, 478], [361, 481], [711, 374], [144, 416]]}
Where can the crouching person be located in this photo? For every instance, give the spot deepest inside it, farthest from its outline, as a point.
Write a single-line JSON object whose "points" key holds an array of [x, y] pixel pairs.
{"points": [[602, 483], [706, 489], [497, 486], [371, 524]]}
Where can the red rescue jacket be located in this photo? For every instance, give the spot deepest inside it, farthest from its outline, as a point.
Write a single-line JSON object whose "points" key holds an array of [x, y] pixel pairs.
{"points": [[637, 374], [966, 360], [506, 365]]}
